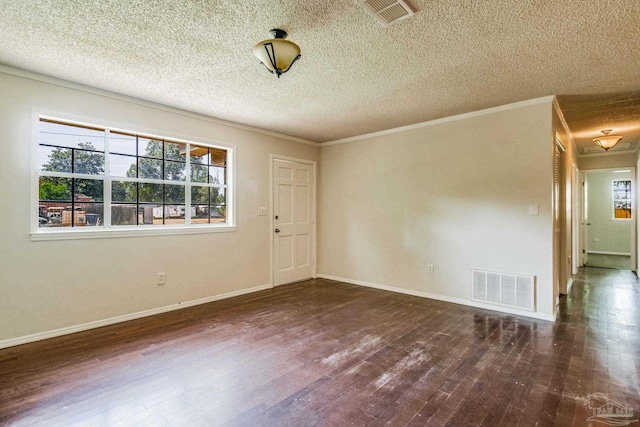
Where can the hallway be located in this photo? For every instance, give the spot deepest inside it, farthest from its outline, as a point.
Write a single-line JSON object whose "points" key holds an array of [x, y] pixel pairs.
{"points": [[597, 338]]}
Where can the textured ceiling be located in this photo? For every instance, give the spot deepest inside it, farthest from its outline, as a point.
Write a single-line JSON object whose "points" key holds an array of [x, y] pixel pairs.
{"points": [[355, 75]]}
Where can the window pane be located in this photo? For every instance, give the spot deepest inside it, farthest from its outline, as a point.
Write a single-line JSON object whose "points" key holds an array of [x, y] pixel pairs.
{"points": [[218, 157], [71, 136], [199, 173], [50, 213], [150, 193], [88, 162], [174, 194], [175, 151], [93, 213], [149, 147], [199, 155], [150, 168], [174, 171], [208, 156], [123, 215], [174, 214], [123, 166], [218, 196], [122, 144], [217, 175], [149, 214], [122, 192], [88, 190], [218, 214], [54, 159], [51, 188], [199, 195], [199, 214], [89, 214]]}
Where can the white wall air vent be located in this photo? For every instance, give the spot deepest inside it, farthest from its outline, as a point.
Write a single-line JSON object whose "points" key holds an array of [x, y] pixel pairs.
{"points": [[505, 289], [387, 11]]}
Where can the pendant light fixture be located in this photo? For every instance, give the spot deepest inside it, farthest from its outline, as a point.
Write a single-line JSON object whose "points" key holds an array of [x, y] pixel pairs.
{"points": [[277, 54], [607, 141]]}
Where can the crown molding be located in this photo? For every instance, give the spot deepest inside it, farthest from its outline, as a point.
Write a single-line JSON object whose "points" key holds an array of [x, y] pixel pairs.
{"points": [[491, 110], [565, 125]]}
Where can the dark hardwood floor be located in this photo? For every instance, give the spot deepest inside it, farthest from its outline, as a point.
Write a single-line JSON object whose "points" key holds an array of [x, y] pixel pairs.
{"points": [[332, 354]]}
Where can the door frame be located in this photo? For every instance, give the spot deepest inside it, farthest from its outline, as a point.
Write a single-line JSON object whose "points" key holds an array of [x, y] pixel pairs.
{"points": [[314, 190], [634, 209], [576, 255], [559, 267]]}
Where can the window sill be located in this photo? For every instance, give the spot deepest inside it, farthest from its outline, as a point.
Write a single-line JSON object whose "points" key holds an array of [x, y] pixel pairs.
{"points": [[122, 232]]}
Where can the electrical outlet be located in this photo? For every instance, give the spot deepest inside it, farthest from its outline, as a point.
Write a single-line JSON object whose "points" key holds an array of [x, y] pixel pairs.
{"points": [[263, 211], [430, 268], [162, 277]]}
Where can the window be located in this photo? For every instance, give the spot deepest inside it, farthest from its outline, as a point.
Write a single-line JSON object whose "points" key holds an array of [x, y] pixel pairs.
{"points": [[622, 198], [99, 178]]}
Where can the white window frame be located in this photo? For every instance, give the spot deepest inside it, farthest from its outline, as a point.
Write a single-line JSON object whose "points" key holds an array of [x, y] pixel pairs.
{"points": [[72, 233]]}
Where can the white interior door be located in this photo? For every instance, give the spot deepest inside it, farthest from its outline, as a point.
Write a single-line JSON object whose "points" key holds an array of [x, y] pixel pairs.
{"points": [[293, 210]]}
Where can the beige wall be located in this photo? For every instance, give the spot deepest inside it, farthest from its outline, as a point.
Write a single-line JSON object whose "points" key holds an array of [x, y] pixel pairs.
{"points": [[607, 161], [50, 285], [454, 194]]}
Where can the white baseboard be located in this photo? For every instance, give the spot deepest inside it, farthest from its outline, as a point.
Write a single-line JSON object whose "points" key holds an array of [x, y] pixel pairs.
{"points": [[124, 318], [540, 316], [609, 253]]}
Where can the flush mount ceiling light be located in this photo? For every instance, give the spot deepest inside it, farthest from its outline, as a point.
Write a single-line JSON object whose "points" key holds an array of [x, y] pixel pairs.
{"points": [[277, 54], [607, 141]]}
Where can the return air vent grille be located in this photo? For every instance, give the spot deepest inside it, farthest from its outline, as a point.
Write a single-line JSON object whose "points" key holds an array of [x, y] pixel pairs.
{"points": [[387, 11], [508, 290]]}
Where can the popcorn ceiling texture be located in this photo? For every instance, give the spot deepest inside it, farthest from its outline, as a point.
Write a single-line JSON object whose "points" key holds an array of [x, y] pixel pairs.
{"points": [[355, 76]]}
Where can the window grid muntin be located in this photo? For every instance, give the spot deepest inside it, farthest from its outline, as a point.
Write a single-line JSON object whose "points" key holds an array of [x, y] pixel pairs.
{"points": [[108, 179]]}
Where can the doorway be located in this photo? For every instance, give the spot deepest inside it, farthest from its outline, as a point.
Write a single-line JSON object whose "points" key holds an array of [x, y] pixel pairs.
{"points": [[293, 220], [609, 219]]}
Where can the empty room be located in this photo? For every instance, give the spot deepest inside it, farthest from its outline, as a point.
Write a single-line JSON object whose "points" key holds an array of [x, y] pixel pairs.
{"points": [[321, 213]]}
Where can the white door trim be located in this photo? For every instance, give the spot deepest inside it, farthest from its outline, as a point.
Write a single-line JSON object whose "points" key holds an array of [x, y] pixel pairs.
{"points": [[313, 164]]}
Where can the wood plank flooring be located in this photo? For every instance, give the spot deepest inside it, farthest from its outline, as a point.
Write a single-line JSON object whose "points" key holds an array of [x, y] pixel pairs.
{"points": [[332, 354]]}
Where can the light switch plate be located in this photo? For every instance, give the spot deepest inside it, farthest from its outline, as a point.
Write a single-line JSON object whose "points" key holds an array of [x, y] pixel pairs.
{"points": [[262, 211], [533, 209]]}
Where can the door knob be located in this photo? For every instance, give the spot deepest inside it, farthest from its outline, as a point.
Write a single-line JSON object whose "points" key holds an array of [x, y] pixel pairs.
{"points": [[277, 230]]}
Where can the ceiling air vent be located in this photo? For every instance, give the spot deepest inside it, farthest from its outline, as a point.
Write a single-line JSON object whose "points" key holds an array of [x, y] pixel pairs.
{"points": [[387, 11]]}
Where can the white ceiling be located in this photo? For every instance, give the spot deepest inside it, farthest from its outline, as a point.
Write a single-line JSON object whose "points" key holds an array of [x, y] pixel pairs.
{"points": [[355, 76]]}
